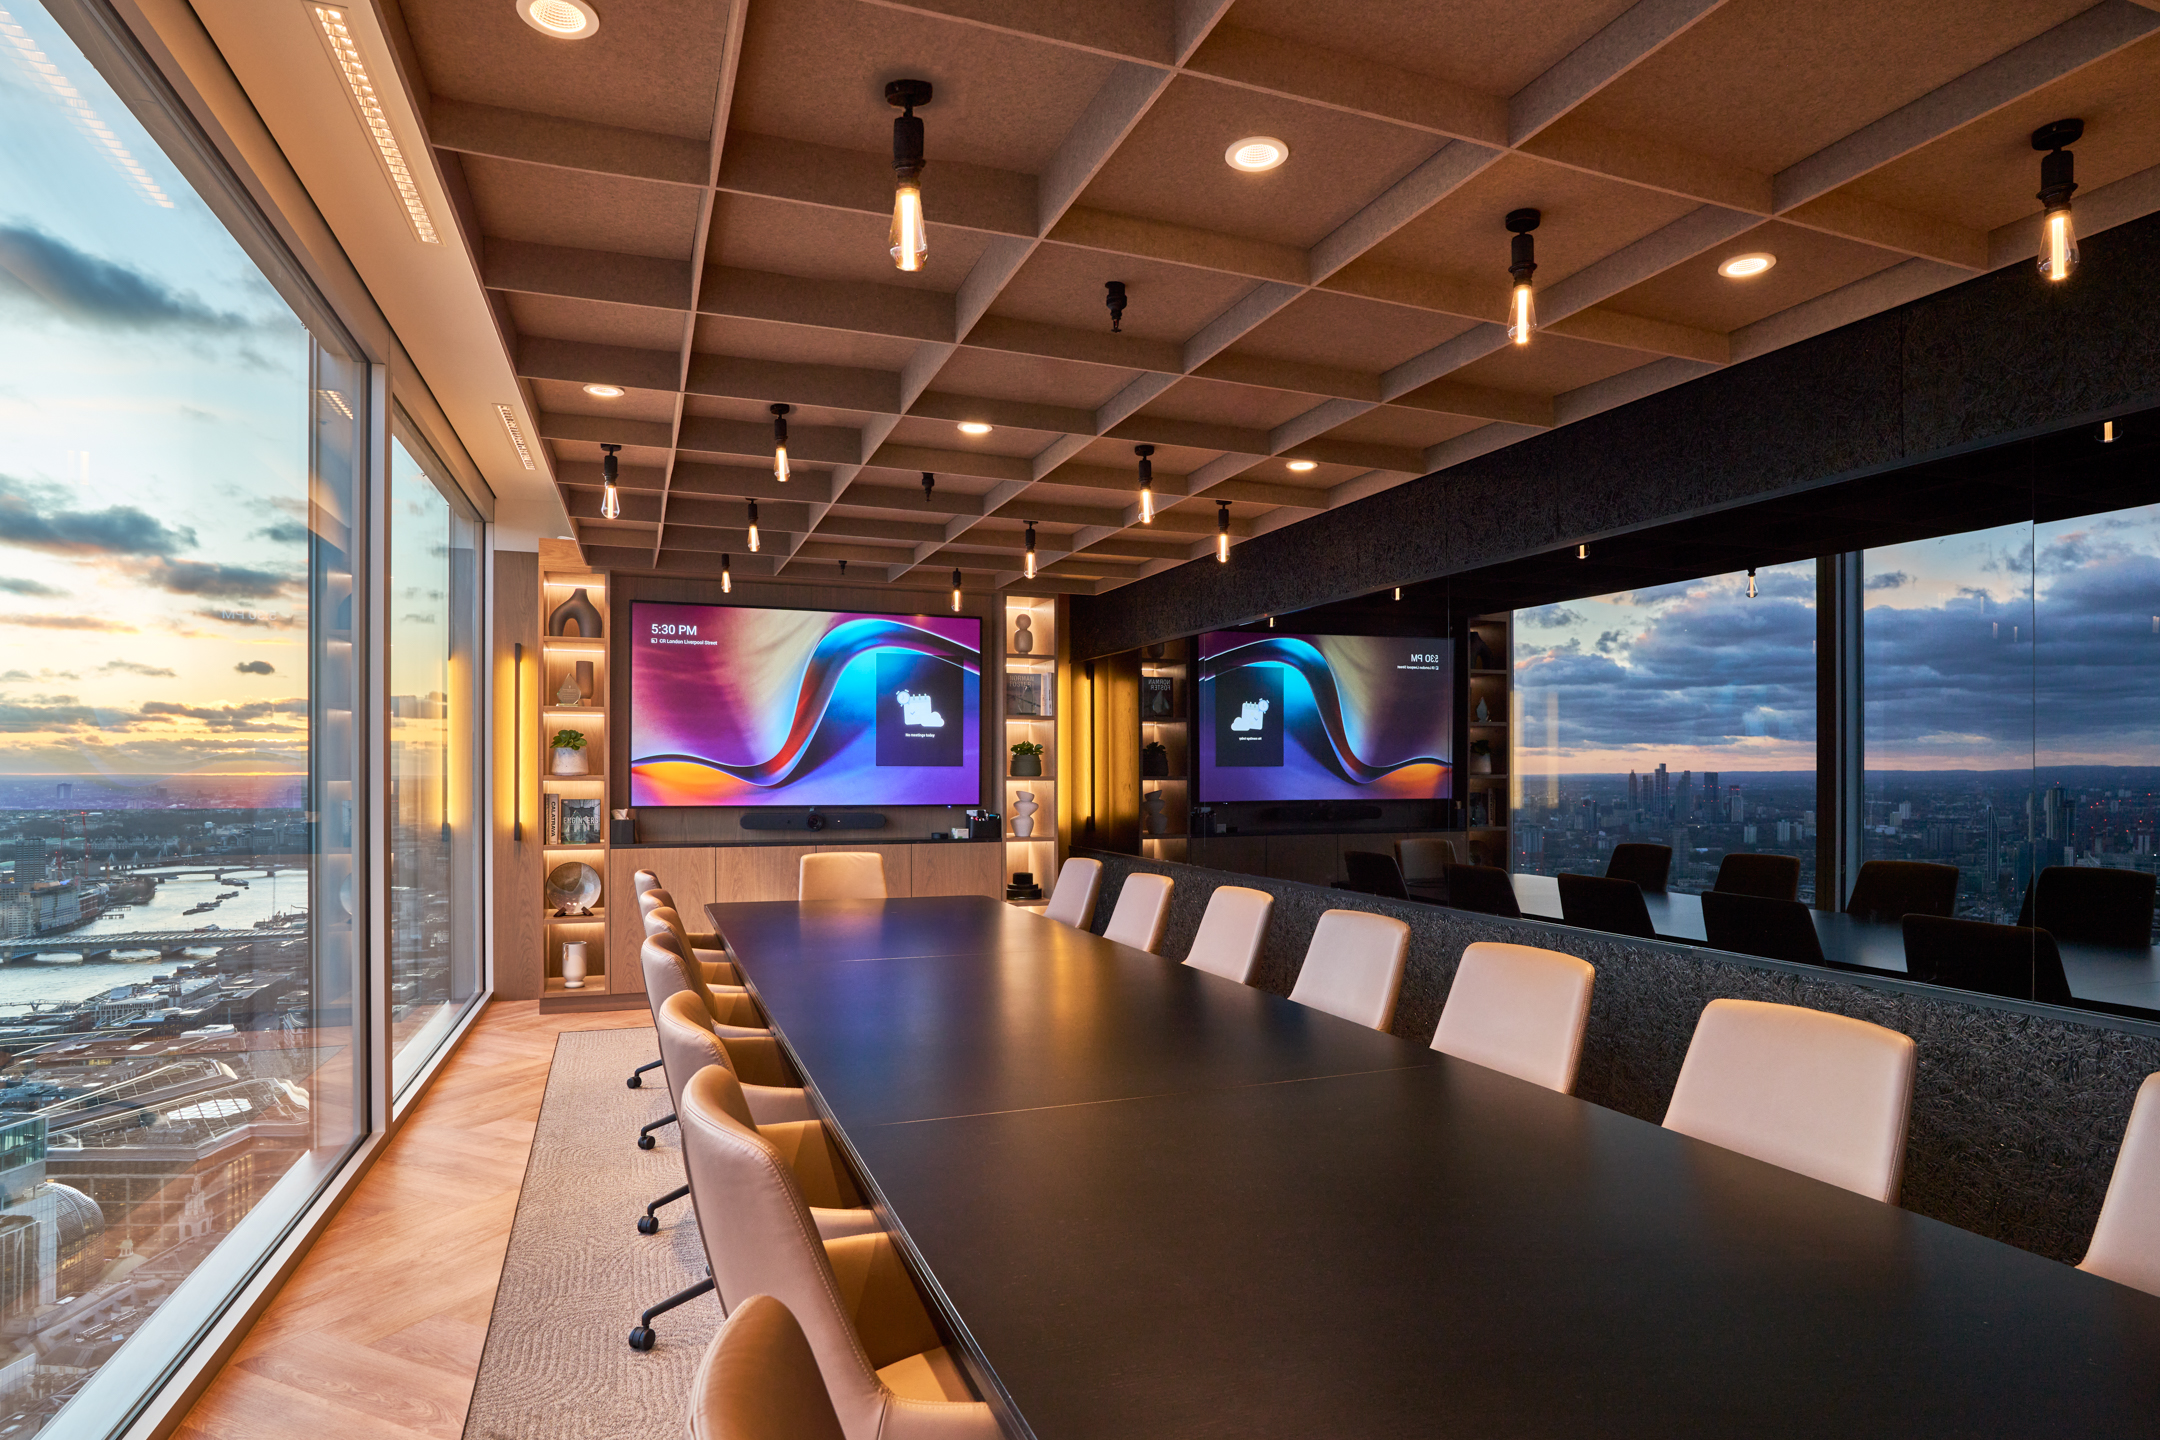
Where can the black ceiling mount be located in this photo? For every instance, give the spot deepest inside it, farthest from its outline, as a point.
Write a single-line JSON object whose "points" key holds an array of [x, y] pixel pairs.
{"points": [[1115, 299], [907, 131], [2058, 167], [1522, 262], [2057, 133], [929, 486], [608, 471]]}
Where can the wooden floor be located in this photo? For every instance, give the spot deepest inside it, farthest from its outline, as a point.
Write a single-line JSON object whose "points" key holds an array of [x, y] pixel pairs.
{"points": [[378, 1332]]}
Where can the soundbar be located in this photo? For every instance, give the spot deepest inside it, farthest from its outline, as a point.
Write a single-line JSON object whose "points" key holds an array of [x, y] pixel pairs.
{"points": [[814, 820]]}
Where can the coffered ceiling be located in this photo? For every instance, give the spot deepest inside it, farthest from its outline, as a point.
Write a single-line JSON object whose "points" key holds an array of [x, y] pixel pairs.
{"points": [[691, 204]]}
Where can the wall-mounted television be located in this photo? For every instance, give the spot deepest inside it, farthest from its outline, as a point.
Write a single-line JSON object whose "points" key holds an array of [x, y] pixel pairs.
{"points": [[1325, 717], [739, 705]]}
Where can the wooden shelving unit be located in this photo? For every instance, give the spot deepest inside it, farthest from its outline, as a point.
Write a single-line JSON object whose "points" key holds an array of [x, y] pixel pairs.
{"points": [[1166, 719], [1488, 792], [1036, 669], [562, 575]]}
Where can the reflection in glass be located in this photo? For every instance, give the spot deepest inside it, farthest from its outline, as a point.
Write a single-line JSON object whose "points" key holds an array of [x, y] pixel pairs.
{"points": [[1680, 715], [434, 586], [178, 924]]}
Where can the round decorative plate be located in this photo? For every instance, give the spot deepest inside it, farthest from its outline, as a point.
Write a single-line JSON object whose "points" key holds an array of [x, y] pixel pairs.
{"points": [[573, 886]]}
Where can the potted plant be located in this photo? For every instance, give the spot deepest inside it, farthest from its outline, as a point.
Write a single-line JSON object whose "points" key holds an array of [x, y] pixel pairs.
{"points": [[1481, 757], [1027, 758], [1155, 759], [567, 755]]}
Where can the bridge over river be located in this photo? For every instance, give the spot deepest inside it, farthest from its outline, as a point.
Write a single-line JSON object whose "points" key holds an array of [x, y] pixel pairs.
{"points": [[92, 947]]}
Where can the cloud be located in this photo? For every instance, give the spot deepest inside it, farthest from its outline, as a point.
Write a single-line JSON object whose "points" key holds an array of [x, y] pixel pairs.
{"points": [[284, 532], [213, 580], [135, 667], [251, 619], [253, 667], [82, 288], [417, 619], [1888, 580], [37, 517], [42, 713], [12, 585], [217, 717], [13, 676], [1551, 617], [69, 622]]}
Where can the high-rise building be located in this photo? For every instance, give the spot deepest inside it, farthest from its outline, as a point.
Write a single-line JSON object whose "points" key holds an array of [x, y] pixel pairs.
{"points": [[1684, 802], [1659, 801], [1634, 791]]}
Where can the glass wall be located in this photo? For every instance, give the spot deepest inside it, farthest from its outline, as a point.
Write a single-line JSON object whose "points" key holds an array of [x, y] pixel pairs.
{"points": [[182, 916], [1682, 715], [434, 803]]}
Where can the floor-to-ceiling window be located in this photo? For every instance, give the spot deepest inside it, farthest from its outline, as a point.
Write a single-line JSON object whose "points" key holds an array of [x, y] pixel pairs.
{"points": [[182, 828], [1682, 715], [434, 804]]}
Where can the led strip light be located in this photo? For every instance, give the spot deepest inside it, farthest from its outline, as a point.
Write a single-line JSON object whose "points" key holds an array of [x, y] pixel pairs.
{"points": [[48, 77], [517, 436], [338, 36]]}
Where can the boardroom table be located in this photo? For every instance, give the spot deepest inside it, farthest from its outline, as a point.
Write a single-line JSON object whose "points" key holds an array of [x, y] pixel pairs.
{"points": [[2111, 974], [1148, 1202]]}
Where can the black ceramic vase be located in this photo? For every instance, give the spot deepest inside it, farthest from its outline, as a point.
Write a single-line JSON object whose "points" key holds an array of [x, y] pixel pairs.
{"points": [[578, 608]]}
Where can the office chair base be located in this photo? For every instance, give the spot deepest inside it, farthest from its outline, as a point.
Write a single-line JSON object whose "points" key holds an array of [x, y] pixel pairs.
{"points": [[645, 1139], [649, 1222], [637, 1076], [642, 1337]]}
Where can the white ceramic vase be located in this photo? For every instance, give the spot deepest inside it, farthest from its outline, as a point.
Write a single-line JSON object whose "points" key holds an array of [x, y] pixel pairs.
{"points": [[1024, 808], [568, 762], [573, 965]]}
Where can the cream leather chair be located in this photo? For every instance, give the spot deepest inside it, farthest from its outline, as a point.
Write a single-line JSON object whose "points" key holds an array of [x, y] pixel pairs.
{"points": [[1519, 1010], [657, 897], [1354, 966], [1143, 908], [843, 875], [1426, 860], [1824, 1095], [1073, 901], [1230, 934], [644, 880], [719, 970], [2126, 1242], [668, 971], [759, 1381], [887, 1374]]}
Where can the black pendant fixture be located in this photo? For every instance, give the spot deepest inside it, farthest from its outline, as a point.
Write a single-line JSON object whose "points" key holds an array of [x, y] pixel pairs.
{"points": [[610, 497], [1028, 565], [909, 238], [1522, 264], [1147, 483], [929, 486], [1222, 532], [2058, 180], [727, 574], [780, 469], [753, 525], [956, 590], [1114, 297]]}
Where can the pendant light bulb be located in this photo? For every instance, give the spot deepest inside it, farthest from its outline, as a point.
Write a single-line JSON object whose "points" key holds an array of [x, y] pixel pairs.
{"points": [[753, 526], [2058, 181], [1147, 483], [1751, 582], [1222, 532], [1028, 567], [956, 590], [1398, 592], [780, 471], [1522, 264], [610, 497], [727, 574], [909, 237]]}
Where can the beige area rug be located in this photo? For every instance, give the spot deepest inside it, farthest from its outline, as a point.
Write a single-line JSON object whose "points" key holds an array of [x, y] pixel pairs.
{"points": [[558, 1361]]}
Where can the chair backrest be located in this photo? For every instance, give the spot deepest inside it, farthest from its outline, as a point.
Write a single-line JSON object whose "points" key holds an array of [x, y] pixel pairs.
{"points": [[1143, 908], [1424, 859], [2126, 1243], [644, 880], [1774, 877], [1483, 888], [1073, 901], [759, 1381], [1354, 966], [1751, 925], [1228, 941], [1823, 1095], [1647, 865], [651, 900], [663, 920], [1889, 890], [688, 1045], [2014, 961], [1372, 873], [1603, 902], [843, 875], [669, 969], [1520, 1010], [2086, 905]]}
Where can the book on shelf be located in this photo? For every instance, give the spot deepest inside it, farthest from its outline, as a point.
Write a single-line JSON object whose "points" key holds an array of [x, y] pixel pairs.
{"points": [[1027, 692], [580, 822], [551, 819]]}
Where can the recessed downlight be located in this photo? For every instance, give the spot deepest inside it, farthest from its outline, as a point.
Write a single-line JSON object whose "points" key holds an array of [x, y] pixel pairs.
{"points": [[1301, 466], [563, 19], [1748, 266], [604, 392], [973, 427], [1257, 152]]}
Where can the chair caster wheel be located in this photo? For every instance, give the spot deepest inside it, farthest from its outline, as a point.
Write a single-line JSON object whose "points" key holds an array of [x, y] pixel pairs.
{"points": [[646, 1142], [635, 1082], [648, 1225], [641, 1338]]}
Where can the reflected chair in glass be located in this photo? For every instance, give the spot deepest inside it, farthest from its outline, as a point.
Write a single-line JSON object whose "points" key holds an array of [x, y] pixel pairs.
{"points": [[1372, 873], [1142, 909], [1887, 891], [1774, 877], [1519, 1010], [1822, 1095], [1354, 966], [1072, 902], [1230, 934], [2126, 1243], [1485, 889], [669, 970], [886, 1368], [842, 875], [759, 1381], [1647, 865], [1424, 861], [1751, 925], [2014, 961], [2088, 905], [1600, 902]]}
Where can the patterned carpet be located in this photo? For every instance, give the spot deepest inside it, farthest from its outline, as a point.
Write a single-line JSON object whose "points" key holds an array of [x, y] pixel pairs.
{"points": [[557, 1361]]}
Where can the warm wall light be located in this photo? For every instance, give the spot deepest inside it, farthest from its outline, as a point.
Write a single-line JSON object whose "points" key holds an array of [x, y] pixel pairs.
{"points": [[909, 237], [1147, 483], [2058, 180], [1748, 266], [1222, 532], [973, 427], [1301, 466], [753, 525], [1522, 264], [360, 87], [1256, 153], [779, 442], [563, 19], [1028, 565], [610, 497], [956, 590], [517, 742], [727, 574], [604, 392]]}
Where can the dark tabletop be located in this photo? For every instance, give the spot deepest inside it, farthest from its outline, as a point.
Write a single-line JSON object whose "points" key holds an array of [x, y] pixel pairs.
{"points": [[1153, 1203]]}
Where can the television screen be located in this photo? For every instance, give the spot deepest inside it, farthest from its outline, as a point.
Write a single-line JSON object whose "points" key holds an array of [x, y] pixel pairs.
{"points": [[731, 705], [1325, 717]]}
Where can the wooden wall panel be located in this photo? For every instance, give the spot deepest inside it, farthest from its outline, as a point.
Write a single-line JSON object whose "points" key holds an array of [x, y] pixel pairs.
{"points": [[959, 869], [519, 945], [757, 872]]}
